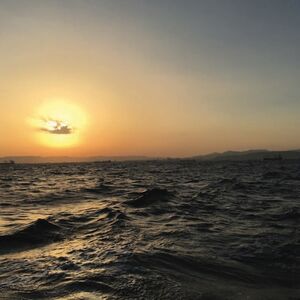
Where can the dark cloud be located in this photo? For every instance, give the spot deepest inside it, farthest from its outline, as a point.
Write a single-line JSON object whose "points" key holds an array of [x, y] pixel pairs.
{"points": [[57, 127]]}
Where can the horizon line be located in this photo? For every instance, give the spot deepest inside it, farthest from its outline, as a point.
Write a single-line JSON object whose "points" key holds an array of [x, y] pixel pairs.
{"points": [[145, 156]]}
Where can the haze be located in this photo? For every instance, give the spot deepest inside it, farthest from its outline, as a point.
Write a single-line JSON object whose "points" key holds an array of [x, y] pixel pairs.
{"points": [[157, 78]]}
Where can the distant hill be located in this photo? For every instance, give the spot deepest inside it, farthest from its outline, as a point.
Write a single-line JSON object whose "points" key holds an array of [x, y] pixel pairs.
{"points": [[249, 155], [258, 154]]}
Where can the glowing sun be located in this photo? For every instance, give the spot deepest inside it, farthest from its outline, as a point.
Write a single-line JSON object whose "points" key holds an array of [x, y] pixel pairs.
{"points": [[59, 124]]}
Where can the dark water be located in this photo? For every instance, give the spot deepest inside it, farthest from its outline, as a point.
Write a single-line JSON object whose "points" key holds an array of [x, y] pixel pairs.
{"points": [[150, 230]]}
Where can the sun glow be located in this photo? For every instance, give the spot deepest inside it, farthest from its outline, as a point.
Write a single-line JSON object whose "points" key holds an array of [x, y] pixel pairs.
{"points": [[59, 124]]}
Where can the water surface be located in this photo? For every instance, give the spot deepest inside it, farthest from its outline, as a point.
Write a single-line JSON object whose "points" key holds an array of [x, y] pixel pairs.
{"points": [[150, 230]]}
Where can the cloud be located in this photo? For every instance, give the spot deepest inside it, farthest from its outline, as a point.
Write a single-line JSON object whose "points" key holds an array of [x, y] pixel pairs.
{"points": [[56, 127]]}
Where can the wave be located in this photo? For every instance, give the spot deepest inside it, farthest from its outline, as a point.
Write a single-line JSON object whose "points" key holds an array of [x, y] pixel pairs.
{"points": [[39, 232], [151, 196], [101, 189], [192, 266], [70, 289], [290, 214], [42, 232], [272, 175]]}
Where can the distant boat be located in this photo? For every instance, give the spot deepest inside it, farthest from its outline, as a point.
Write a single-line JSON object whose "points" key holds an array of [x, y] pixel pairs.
{"points": [[272, 158], [7, 163]]}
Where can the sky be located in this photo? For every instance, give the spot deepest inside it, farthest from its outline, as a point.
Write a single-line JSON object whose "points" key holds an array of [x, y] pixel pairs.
{"points": [[157, 78]]}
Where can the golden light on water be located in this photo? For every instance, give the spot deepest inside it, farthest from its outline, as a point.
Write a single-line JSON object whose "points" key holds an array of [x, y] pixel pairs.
{"points": [[59, 124]]}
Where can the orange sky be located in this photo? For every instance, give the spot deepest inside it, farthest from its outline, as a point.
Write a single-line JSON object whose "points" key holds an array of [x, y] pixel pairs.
{"points": [[136, 82]]}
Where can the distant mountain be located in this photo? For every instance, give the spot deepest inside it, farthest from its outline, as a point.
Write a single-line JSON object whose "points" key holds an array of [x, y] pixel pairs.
{"points": [[250, 155], [258, 154]]}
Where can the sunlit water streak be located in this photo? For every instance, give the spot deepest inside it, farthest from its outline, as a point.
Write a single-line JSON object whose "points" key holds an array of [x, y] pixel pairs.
{"points": [[150, 230]]}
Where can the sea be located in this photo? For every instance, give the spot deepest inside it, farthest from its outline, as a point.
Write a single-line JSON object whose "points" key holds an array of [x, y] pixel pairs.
{"points": [[165, 229]]}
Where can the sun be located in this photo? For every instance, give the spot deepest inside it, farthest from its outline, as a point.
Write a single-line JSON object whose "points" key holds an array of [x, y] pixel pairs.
{"points": [[59, 124]]}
